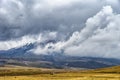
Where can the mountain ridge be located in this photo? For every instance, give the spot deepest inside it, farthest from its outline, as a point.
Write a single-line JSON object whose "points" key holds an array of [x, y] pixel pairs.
{"points": [[22, 56]]}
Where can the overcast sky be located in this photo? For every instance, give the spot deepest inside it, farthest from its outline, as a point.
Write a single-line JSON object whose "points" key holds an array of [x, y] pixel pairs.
{"points": [[78, 27]]}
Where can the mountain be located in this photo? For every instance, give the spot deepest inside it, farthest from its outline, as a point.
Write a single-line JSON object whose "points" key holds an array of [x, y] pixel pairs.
{"points": [[16, 52], [22, 57]]}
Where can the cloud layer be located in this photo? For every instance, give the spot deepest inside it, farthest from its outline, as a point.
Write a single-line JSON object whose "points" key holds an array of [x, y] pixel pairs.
{"points": [[79, 28], [99, 38], [25, 17]]}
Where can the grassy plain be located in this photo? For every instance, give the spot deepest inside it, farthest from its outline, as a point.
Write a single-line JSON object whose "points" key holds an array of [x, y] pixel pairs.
{"points": [[25, 73]]}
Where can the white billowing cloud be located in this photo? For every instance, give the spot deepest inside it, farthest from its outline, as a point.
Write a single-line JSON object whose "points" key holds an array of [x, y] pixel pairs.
{"points": [[91, 25], [5, 45], [50, 48], [102, 42], [99, 38]]}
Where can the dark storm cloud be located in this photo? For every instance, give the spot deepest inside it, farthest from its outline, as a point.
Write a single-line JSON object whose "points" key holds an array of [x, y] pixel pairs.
{"points": [[79, 28], [25, 17]]}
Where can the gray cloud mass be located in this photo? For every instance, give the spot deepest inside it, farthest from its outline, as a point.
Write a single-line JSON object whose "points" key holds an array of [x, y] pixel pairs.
{"points": [[84, 28]]}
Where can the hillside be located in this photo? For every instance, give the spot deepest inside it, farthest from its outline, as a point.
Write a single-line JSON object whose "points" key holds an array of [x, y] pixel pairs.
{"points": [[115, 69]]}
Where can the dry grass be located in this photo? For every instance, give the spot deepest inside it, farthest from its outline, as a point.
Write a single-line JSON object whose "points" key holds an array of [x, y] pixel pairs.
{"points": [[24, 73]]}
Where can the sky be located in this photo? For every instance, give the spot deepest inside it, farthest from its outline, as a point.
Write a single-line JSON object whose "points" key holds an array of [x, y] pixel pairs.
{"points": [[78, 27]]}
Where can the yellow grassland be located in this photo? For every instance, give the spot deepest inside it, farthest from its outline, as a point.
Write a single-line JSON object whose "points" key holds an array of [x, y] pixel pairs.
{"points": [[26, 73]]}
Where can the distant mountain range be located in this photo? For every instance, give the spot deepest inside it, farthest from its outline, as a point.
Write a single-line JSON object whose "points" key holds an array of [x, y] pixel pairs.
{"points": [[22, 57]]}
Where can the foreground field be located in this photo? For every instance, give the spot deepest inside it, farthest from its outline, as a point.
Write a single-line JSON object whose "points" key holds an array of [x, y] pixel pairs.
{"points": [[19, 73]]}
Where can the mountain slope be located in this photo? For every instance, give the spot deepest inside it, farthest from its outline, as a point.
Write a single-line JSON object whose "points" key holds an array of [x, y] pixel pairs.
{"points": [[22, 57]]}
